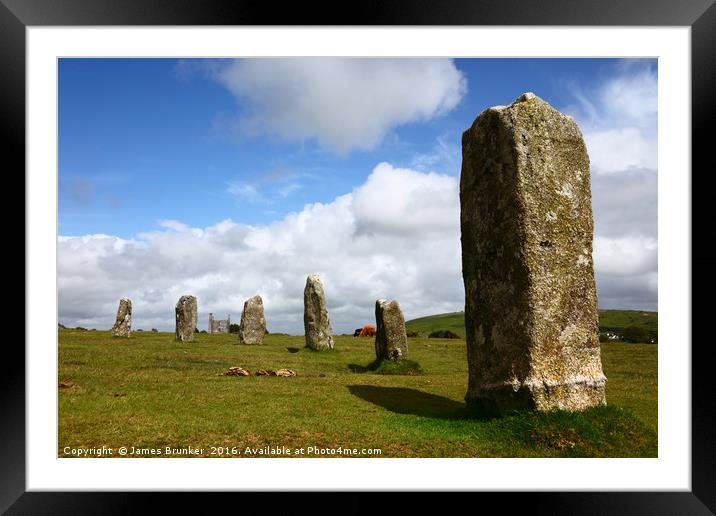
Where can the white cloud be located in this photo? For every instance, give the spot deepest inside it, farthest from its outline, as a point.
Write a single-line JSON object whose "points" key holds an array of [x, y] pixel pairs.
{"points": [[173, 224], [342, 103], [616, 150], [618, 118], [395, 236], [245, 191], [626, 256], [398, 201], [631, 97]]}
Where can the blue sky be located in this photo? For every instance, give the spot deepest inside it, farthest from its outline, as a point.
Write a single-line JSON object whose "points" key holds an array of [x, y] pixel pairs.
{"points": [[141, 140], [159, 156]]}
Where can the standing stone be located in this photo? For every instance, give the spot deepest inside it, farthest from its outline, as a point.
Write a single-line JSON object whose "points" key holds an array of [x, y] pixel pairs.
{"points": [[123, 323], [252, 327], [186, 315], [530, 296], [319, 334], [391, 341]]}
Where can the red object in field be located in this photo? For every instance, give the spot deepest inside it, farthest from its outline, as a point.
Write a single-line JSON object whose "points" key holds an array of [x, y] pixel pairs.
{"points": [[367, 331]]}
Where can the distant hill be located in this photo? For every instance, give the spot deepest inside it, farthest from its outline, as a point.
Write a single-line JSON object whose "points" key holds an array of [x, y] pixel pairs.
{"points": [[454, 321], [617, 320], [609, 320]]}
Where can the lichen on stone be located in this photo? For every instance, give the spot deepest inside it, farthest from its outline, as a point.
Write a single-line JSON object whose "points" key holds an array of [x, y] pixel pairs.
{"points": [[186, 318], [391, 340], [316, 322], [123, 322], [252, 326], [526, 234]]}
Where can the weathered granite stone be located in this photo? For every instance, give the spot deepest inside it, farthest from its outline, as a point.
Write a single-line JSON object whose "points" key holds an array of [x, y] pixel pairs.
{"points": [[253, 323], [123, 323], [391, 341], [530, 297], [317, 325], [186, 318]]}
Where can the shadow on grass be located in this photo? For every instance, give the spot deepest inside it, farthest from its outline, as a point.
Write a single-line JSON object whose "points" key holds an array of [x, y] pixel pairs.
{"points": [[402, 400], [293, 350], [358, 368], [389, 367], [595, 432]]}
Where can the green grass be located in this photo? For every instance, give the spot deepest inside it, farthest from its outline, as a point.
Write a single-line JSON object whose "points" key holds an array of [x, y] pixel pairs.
{"points": [[149, 391], [631, 371], [614, 320], [454, 321]]}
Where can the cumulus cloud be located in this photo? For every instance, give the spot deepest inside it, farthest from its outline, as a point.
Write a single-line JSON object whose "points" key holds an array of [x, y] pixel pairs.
{"points": [[619, 149], [628, 256], [343, 104], [400, 201], [395, 236]]}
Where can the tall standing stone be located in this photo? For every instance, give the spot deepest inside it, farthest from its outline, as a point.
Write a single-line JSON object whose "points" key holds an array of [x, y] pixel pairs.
{"points": [[252, 327], [186, 318], [391, 341], [530, 297], [319, 335], [123, 323]]}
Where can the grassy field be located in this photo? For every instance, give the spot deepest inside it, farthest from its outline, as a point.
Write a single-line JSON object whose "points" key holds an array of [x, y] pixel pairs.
{"points": [[149, 392], [614, 320]]}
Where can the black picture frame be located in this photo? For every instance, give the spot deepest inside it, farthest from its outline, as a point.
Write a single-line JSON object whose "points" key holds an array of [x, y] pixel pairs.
{"points": [[700, 15]]}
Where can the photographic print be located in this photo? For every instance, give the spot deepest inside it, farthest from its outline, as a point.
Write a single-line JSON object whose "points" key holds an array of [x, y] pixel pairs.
{"points": [[353, 257]]}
